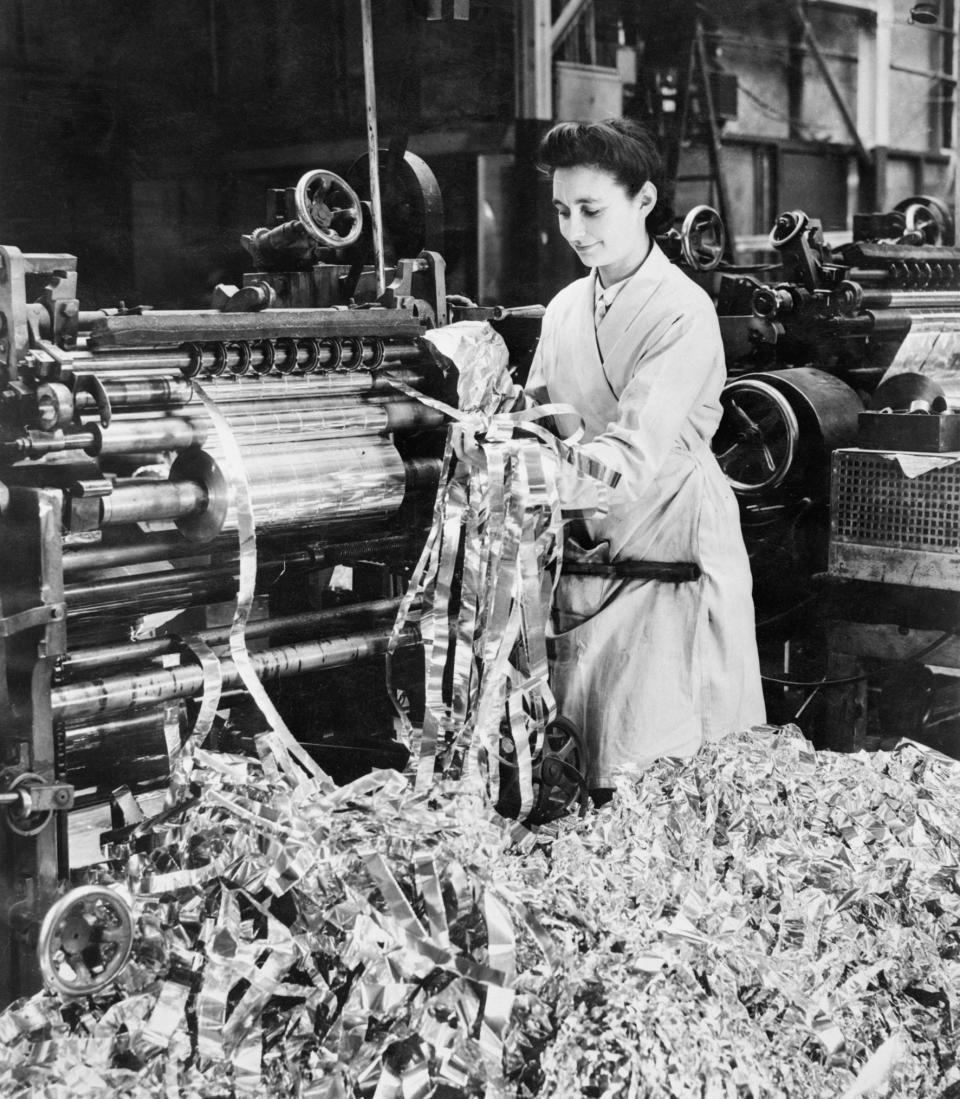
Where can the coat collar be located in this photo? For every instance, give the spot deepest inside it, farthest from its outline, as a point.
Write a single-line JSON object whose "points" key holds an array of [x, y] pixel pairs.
{"points": [[629, 303]]}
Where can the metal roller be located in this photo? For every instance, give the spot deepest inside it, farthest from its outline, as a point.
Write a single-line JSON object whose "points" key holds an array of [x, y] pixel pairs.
{"points": [[119, 694], [103, 657], [124, 393], [303, 484], [130, 750], [349, 382], [338, 544], [146, 592], [265, 420], [307, 485]]}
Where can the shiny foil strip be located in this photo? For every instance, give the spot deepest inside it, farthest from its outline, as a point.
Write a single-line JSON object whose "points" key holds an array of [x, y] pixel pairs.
{"points": [[759, 920], [280, 739], [486, 576]]}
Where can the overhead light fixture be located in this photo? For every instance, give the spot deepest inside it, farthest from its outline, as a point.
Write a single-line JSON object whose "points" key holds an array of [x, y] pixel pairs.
{"points": [[925, 12]]}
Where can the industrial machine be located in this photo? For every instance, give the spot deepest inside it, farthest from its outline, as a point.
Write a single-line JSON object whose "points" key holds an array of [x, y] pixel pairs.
{"points": [[121, 434], [840, 438]]}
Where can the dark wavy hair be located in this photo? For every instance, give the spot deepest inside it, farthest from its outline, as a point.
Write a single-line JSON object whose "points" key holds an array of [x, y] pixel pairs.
{"points": [[621, 146]]}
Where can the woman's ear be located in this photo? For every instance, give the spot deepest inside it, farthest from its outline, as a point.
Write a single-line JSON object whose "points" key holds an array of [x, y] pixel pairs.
{"points": [[648, 197]]}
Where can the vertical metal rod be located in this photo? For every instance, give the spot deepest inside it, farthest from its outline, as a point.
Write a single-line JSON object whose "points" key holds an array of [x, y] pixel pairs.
{"points": [[955, 143], [370, 88]]}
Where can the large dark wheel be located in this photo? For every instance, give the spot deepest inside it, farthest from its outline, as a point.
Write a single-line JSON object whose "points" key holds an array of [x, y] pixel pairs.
{"points": [[757, 438], [559, 775]]}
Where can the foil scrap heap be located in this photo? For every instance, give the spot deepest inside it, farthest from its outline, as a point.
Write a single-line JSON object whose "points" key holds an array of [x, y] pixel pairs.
{"points": [[760, 920]]}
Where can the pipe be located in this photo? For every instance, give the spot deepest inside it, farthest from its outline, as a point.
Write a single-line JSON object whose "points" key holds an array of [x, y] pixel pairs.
{"points": [[123, 693]]}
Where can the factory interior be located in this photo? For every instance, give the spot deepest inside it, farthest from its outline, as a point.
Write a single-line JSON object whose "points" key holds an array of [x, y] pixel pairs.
{"points": [[242, 246]]}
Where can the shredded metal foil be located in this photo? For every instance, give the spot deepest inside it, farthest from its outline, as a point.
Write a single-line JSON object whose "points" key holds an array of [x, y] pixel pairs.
{"points": [[759, 920], [486, 575]]}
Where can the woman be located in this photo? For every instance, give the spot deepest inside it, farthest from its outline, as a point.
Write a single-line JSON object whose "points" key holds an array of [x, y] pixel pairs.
{"points": [[645, 668]]}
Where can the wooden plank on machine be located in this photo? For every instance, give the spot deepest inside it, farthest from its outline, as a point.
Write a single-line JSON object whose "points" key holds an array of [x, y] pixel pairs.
{"points": [[203, 325]]}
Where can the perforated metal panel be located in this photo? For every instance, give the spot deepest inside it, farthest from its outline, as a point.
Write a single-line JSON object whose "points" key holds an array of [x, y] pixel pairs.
{"points": [[893, 528]]}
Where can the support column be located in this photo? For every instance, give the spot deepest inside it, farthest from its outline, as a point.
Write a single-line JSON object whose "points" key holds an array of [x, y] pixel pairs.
{"points": [[528, 278]]}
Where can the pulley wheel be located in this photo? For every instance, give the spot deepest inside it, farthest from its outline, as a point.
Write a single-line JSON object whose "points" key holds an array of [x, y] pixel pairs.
{"points": [[410, 201], [900, 391], [757, 437], [702, 238], [782, 425], [85, 940], [930, 216], [328, 208]]}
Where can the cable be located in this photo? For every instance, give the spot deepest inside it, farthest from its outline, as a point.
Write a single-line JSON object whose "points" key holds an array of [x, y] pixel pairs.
{"points": [[789, 611], [845, 680]]}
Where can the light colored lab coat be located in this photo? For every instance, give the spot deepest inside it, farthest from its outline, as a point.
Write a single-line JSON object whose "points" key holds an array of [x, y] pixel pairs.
{"points": [[649, 668]]}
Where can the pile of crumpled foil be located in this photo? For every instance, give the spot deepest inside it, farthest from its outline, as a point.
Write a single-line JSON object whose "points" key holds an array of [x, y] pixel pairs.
{"points": [[760, 920]]}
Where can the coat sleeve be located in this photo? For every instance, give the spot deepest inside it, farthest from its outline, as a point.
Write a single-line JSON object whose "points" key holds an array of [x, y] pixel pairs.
{"points": [[678, 375]]}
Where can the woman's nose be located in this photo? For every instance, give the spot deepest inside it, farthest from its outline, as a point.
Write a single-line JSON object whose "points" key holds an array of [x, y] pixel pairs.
{"points": [[575, 228]]}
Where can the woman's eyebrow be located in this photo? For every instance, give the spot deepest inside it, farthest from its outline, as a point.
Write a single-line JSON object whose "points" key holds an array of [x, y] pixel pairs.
{"points": [[585, 201]]}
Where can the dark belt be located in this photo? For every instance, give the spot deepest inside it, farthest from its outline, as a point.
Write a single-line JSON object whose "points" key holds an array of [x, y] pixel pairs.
{"points": [[675, 571]]}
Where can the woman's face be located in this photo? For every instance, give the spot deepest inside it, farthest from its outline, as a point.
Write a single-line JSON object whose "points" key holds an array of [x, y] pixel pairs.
{"points": [[601, 222]]}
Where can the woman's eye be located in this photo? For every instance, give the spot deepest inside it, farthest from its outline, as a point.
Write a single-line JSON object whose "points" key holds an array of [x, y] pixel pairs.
{"points": [[590, 213]]}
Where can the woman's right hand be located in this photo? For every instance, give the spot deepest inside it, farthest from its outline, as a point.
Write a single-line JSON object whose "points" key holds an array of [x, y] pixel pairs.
{"points": [[466, 446]]}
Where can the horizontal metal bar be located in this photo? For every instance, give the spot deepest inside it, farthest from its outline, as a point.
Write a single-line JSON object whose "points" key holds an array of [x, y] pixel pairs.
{"points": [[85, 661], [124, 693]]}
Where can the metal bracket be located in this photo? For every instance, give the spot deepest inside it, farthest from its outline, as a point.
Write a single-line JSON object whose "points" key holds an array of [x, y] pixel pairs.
{"points": [[28, 803], [32, 618]]}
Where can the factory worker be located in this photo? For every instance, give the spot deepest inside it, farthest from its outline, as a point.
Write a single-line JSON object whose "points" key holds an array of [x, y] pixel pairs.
{"points": [[644, 668]]}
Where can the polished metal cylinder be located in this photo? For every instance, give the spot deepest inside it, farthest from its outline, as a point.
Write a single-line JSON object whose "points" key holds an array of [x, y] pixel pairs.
{"points": [[302, 484], [335, 383], [135, 749], [151, 500], [277, 420], [911, 299], [118, 694]]}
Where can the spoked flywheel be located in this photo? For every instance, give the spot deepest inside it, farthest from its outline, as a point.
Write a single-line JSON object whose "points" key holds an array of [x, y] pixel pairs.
{"points": [[558, 772], [85, 940], [757, 437]]}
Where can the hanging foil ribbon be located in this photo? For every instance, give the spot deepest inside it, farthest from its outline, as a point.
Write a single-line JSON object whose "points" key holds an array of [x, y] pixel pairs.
{"points": [[486, 576], [206, 714], [279, 742]]}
